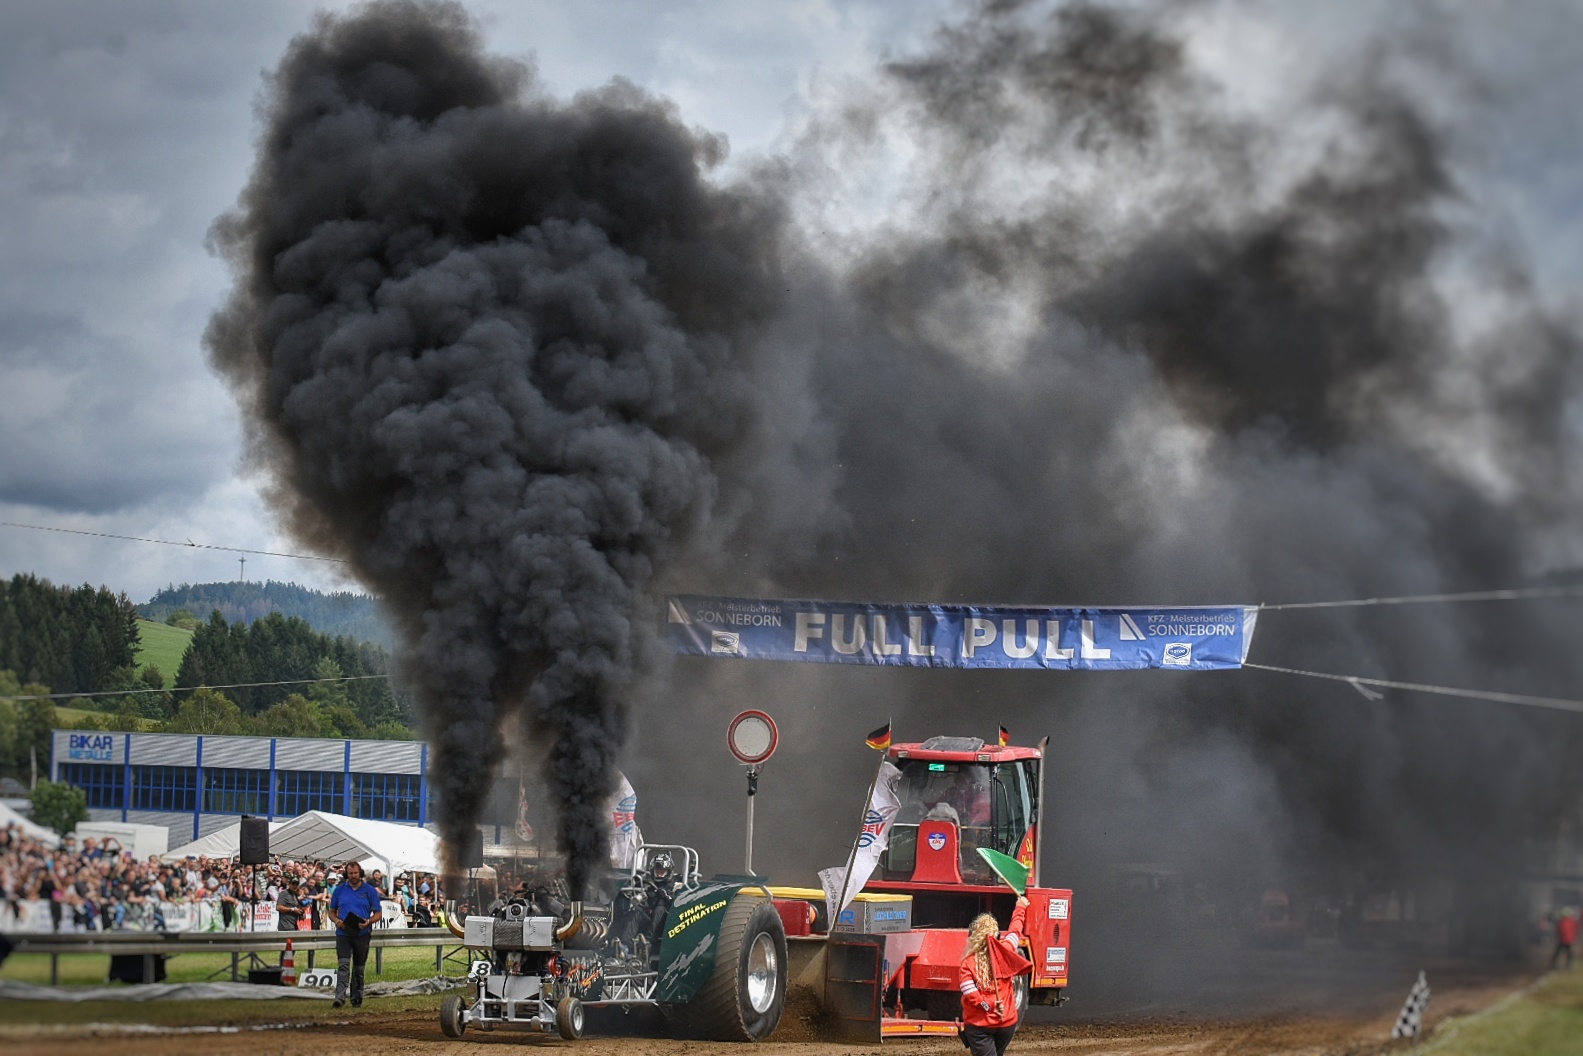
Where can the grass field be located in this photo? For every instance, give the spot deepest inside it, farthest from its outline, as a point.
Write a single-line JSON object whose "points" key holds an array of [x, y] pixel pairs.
{"points": [[72, 716], [1548, 1021], [162, 646], [409, 962], [89, 969]]}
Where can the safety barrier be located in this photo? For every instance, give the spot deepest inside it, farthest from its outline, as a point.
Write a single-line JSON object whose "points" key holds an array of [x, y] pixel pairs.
{"points": [[35, 915], [252, 945]]}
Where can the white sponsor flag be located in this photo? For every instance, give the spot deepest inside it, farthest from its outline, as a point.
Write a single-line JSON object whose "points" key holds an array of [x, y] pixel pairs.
{"points": [[840, 885], [524, 827], [625, 836]]}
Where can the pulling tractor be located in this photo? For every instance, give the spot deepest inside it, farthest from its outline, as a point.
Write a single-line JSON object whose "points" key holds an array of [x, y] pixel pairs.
{"points": [[957, 794], [710, 955]]}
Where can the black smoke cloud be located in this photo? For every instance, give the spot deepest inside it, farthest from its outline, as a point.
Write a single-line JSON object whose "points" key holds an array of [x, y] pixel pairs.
{"points": [[488, 343], [1039, 315], [1113, 338]]}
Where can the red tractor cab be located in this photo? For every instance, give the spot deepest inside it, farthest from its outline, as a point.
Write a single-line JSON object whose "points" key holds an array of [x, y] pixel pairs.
{"points": [[957, 795]]}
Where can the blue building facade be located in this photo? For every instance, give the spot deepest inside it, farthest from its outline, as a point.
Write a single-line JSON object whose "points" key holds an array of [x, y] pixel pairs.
{"points": [[194, 784]]}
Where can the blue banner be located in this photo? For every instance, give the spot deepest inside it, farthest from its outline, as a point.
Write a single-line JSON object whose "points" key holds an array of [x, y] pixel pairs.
{"points": [[1189, 638]]}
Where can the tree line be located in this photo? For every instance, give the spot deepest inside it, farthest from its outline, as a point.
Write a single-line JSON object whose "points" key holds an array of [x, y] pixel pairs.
{"points": [[320, 709], [83, 640], [77, 639], [286, 649]]}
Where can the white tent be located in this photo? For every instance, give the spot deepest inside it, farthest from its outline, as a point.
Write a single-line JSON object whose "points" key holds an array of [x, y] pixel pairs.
{"points": [[29, 829], [377, 844], [222, 843]]}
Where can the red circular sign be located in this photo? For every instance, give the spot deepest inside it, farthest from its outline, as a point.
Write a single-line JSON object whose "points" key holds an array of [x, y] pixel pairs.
{"points": [[752, 737]]}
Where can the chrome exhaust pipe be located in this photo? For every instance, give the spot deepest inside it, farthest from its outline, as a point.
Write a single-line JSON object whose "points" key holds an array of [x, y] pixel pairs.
{"points": [[448, 918], [573, 926]]}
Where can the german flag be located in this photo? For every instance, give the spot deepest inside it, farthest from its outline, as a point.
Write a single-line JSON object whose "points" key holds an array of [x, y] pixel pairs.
{"points": [[879, 740], [1005, 736]]}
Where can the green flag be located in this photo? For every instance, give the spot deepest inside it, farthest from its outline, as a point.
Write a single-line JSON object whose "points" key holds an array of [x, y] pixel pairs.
{"points": [[1009, 869]]}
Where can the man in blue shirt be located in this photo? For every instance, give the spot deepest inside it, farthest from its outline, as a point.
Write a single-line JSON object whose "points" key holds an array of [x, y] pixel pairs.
{"points": [[354, 906]]}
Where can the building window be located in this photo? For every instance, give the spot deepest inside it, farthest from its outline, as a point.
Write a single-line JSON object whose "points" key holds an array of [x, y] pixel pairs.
{"points": [[299, 791], [105, 783], [167, 788], [385, 797], [228, 791]]}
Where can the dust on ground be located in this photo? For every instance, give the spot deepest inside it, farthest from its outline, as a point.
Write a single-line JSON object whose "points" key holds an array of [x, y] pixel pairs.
{"points": [[1345, 1032]]}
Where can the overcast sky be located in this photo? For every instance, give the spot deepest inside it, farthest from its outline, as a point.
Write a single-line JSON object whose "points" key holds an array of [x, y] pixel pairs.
{"points": [[125, 129]]}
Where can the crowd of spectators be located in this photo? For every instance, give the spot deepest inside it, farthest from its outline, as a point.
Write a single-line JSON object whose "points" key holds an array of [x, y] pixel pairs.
{"points": [[98, 886]]}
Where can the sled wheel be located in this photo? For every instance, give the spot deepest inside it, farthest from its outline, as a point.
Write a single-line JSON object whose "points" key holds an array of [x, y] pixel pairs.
{"points": [[569, 1018], [451, 1022], [744, 998]]}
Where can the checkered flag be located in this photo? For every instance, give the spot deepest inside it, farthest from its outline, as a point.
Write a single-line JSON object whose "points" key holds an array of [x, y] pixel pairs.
{"points": [[1411, 1022]]}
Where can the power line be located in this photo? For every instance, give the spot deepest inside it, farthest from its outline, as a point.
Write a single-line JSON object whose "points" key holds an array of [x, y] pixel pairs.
{"points": [[1506, 594], [171, 542], [1559, 703], [187, 689], [1511, 594]]}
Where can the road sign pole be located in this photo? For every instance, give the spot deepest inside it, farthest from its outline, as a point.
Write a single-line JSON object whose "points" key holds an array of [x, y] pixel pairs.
{"points": [[753, 788], [752, 737]]}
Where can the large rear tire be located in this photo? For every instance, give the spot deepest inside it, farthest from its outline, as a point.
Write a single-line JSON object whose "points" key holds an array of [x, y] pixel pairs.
{"points": [[451, 1022], [744, 998]]}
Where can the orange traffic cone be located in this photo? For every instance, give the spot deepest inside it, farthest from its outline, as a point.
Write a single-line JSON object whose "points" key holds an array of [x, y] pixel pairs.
{"points": [[288, 966]]}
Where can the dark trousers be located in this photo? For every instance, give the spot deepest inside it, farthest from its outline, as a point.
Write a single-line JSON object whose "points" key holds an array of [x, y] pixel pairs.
{"points": [[987, 1041], [351, 954], [1562, 947]]}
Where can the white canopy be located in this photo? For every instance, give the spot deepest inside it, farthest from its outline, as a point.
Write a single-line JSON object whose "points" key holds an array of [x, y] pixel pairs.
{"points": [[222, 843], [29, 829], [377, 844]]}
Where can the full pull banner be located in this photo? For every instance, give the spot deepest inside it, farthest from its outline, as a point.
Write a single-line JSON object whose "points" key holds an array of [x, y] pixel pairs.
{"points": [[1189, 638]]}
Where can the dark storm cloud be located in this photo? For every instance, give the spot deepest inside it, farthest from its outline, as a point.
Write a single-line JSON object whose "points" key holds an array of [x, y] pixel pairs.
{"points": [[108, 179]]}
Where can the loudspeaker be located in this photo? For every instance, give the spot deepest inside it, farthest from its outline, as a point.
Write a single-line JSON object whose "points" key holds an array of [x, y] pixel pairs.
{"points": [[255, 841], [472, 853]]}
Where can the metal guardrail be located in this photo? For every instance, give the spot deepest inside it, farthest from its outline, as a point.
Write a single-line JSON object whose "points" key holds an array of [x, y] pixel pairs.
{"points": [[249, 944]]}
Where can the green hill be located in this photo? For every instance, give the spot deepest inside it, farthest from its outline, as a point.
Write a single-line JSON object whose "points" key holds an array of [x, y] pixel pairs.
{"points": [[163, 646], [340, 613]]}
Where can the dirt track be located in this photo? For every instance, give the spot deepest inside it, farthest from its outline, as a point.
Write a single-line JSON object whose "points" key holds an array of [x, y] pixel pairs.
{"points": [[412, 1033]]}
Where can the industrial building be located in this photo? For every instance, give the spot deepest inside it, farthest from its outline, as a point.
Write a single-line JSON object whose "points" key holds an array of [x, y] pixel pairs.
{"points": [[194, 784]]}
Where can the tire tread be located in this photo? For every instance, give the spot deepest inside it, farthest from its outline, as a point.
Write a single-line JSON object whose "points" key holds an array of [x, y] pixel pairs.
{"points": [[716, 1011]]}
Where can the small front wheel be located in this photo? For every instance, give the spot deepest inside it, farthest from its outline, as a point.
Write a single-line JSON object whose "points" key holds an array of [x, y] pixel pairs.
{"points": [[451, 1022], [569, 1018]]}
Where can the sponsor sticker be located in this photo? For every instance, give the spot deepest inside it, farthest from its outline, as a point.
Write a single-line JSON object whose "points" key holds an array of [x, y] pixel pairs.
{"points": [[937, 841], [1055, 955], [1059, 907], [727, 642], [1178, 654]]}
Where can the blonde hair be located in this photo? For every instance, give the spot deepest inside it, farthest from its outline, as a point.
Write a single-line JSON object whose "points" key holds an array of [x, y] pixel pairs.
{"points": [[983, 928]]}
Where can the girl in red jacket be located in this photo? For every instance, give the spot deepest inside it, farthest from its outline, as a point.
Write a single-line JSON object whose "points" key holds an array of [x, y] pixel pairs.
{"points": [[990, 964]]}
